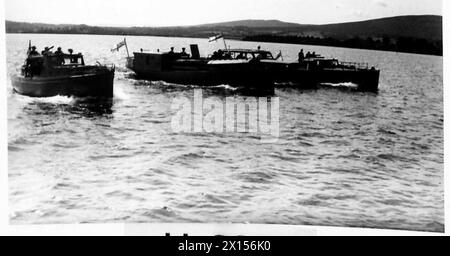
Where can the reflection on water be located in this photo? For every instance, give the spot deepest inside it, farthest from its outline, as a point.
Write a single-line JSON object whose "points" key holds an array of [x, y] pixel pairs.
{"points": [[343, 158]]}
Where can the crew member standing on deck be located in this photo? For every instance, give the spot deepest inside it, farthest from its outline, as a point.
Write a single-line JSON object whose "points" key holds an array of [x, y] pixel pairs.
{"points": [[308, 55], [60, 56], [183, 53], [33, 51], [59, 51], [32, 66], [301, 56], [171, 54], [47, 51]]}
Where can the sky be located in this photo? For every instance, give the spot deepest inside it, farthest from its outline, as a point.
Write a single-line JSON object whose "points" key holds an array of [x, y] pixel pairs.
{"points": [[194, 12]]}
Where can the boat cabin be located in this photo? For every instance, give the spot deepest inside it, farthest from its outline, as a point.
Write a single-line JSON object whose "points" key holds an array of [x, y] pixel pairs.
{"points": [[316, 63], [242, 54], [50, 64], [158, 61], [321, 62]]}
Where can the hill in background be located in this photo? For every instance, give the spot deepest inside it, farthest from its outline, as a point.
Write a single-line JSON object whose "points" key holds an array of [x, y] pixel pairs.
{"points": [[416, 34], [423, 26], [252, 24]]}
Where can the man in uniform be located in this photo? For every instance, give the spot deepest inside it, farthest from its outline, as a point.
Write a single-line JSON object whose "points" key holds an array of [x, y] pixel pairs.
{"points": [[47, 51], [33, 51], [60, 56], [301, 56], [183, 53], [59, 51]]}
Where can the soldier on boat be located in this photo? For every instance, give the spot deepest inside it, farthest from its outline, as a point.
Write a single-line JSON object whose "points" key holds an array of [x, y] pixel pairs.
{"points": [[50, 74], [250, 68]]}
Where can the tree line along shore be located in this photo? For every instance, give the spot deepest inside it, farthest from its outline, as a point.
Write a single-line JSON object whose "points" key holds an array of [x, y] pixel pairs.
{"points": [[400, 44], [411, 34]]}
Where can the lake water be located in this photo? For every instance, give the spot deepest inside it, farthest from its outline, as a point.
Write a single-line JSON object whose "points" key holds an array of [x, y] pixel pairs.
{"points": [[342, 158]]}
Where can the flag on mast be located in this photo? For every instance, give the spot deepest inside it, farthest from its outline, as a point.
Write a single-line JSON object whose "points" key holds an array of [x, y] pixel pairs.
{"points": [[215, 38], [119, 45]]}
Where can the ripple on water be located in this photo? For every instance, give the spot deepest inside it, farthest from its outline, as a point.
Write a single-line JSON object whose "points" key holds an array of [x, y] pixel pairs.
{"points": [[343, 158]]}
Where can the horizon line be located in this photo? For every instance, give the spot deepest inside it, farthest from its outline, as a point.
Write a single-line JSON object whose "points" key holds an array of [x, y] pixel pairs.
{"points": [[216, 23]]}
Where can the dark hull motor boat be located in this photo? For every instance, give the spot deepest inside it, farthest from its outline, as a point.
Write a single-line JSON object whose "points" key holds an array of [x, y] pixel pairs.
{"points": [[96, 84], [194, 70], [314, 71], [250, 68], [319, 70], [51, 74]]}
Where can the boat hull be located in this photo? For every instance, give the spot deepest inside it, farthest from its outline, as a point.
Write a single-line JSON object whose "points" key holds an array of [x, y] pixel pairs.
{"points": [[259, 74], [365, 79], [98, 84], [248, 74], [251, 79]]}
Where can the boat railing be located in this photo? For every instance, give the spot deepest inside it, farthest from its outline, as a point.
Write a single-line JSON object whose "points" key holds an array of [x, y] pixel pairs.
{"points": [[356, 65]]}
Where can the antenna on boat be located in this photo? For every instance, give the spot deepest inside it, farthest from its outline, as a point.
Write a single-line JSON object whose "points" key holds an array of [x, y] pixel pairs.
{"points": [[29, 47], [224, 43]]}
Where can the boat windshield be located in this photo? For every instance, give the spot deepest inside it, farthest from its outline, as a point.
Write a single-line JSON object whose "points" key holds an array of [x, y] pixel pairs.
{"points": [[65, 59], [42, 64], [247, 55]]}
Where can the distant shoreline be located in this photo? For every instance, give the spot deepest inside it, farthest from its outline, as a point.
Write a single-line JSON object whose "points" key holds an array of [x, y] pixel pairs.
{"points": [[245, 39], [402, 44], [410, 34]]}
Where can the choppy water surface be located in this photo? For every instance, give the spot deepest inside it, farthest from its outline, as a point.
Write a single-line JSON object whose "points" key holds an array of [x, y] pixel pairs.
{"points": [[343, 158]]}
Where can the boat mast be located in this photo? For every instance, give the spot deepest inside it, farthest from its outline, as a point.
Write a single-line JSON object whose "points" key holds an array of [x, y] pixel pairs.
{"points": [[126, 47], [29, 47], [224, 43]]}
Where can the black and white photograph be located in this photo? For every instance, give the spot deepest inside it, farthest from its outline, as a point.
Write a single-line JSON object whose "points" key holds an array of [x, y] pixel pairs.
{"points": [[290, 112]]}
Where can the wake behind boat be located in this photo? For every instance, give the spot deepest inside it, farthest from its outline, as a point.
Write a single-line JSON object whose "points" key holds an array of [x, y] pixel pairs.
{"points": [[49, 74]]}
